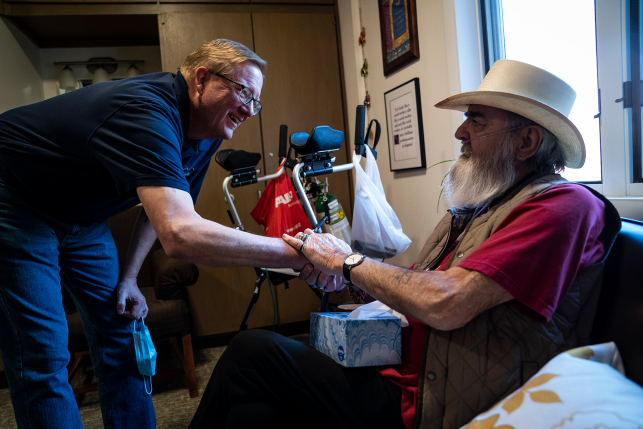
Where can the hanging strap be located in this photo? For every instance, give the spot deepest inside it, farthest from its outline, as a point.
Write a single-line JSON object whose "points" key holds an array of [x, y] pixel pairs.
{"points": [[136, 323], [376, 138], [145, 377]]}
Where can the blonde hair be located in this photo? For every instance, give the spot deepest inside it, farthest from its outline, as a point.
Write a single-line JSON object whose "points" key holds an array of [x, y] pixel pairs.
{"points": [[220, 56]]}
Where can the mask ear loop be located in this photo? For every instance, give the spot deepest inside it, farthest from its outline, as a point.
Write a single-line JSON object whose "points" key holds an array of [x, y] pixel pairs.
{"points": [[145, 385]]}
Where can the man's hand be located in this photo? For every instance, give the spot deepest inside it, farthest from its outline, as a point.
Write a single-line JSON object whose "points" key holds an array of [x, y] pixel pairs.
{"points": [[325, 282], [130, 301], [326, 253]]}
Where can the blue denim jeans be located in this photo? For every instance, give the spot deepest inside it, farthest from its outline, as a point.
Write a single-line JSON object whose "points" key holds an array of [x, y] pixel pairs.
{"points": [[37, 254]]}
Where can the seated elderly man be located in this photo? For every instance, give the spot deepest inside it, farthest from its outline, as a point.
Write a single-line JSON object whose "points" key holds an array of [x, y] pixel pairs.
{"points": [[507, 280]]}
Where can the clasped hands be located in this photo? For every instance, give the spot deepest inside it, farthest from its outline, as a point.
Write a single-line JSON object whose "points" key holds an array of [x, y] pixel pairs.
{"points": [[326, 254]]}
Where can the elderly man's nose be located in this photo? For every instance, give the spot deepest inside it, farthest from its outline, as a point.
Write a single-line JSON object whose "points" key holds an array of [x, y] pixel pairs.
{"points": [[461, 133]]}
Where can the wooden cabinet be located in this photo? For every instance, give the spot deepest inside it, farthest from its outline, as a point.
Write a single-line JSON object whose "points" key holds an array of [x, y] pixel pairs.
{"points": [[302, 89]]}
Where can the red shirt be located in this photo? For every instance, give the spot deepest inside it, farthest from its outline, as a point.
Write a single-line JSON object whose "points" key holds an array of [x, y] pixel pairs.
{"points": [[535, 254]]}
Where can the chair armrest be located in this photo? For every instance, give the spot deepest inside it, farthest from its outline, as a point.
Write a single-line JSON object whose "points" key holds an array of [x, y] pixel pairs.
{"points": [[171, 275]]}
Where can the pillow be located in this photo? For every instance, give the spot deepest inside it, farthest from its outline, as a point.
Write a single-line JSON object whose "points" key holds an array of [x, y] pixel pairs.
{"points": [[579, 389]]}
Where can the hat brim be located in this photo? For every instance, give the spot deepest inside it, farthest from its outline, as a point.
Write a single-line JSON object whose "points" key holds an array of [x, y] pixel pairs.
{"points": [[568, 136]]}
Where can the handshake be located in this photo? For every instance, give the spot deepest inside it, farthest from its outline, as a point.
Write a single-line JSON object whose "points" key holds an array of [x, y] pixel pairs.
{"points": [[326, 254]]}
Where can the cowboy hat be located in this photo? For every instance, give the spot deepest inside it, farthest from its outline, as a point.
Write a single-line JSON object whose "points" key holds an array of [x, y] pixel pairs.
{"points": [[530, 92]]}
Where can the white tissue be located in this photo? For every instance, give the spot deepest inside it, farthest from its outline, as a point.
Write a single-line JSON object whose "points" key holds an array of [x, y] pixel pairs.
{"points": [[375, 309]]}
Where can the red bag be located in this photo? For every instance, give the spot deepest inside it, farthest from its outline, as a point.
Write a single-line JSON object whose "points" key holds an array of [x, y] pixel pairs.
{"points": [[278, 209]]}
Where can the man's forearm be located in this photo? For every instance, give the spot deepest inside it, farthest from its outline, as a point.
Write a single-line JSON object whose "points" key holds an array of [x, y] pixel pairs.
{"points": [[208, 243], [186, 235], [442, 299], [143, 237], [421, 295]]}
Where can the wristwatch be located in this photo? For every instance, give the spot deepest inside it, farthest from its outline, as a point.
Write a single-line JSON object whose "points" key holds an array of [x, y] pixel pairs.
{"points": [[350, 262]]}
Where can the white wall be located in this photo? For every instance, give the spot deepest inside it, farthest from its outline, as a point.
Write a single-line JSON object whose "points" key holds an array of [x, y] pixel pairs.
{"points": [[412, 194], [50, 73], [20, 81]]}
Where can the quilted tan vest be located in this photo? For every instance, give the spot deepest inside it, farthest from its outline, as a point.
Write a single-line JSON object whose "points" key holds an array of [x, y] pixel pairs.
{"points": [[467, 370]]}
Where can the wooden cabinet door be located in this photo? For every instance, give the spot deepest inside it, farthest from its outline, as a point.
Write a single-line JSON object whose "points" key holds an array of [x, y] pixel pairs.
{"points": [[302, 89], [219, 299]]}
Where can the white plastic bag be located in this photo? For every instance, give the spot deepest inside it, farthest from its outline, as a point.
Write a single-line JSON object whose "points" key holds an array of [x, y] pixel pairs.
{"points": [[376, 230]]}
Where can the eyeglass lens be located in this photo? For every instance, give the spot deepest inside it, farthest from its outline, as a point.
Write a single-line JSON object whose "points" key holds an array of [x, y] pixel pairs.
{"points": [[245, 95]]}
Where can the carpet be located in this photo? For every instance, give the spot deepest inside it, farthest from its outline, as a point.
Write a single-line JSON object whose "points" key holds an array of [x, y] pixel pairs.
{"points": [[173, 406]]}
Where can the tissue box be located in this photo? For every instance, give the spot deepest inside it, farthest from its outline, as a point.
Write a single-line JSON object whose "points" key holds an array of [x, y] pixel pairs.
{"points": [[357, 342]]}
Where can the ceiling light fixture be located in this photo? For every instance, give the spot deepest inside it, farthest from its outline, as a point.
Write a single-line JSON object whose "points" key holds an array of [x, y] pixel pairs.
{"points": [[67, 81], [132, 71], [101, 68]]}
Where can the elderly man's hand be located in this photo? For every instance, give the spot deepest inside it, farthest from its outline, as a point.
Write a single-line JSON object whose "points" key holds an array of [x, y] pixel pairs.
{"points": [[325, 282], [326, 253]]}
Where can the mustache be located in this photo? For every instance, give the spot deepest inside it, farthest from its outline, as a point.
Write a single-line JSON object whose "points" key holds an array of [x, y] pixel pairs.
{"points": [[466, 149]]}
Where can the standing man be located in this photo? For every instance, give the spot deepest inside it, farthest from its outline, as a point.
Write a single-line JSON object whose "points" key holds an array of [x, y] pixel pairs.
{"points": [[68, 164], [507, 280]]}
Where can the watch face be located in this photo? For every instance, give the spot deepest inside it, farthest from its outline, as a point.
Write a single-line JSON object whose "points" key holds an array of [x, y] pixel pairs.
{"points": [[353, 259]]}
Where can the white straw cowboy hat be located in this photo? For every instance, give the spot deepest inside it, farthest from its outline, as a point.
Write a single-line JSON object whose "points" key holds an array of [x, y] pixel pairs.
{"points": [[530, 92]]}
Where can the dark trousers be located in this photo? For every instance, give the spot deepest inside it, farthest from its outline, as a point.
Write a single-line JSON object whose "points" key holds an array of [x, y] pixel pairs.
{"points": [[264, 379]]}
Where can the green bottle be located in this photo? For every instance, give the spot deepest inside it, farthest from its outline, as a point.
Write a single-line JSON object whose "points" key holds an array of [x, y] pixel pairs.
{"points": [[339, 225]]}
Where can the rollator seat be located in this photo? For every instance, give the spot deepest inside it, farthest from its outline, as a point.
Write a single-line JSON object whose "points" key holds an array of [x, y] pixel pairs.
{"points": [[321, 139], [231, 159]]}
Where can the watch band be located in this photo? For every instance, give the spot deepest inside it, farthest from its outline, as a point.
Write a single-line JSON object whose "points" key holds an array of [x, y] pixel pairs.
{"points": [[347, 273]]}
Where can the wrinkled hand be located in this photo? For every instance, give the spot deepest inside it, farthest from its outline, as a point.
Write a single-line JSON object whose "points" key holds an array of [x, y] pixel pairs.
{"points": [[326, 253], [130, 301], [325, 282]]}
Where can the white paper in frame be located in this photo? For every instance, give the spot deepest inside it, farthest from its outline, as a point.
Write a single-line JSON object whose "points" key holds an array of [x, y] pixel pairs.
{"points": [[404, 125]]}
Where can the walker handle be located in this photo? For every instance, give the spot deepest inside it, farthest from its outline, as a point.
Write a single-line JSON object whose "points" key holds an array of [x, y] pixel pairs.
{"points": [[283, 141]]}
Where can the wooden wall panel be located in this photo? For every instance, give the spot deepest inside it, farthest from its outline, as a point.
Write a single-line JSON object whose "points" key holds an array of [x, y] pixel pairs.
{"points": [[302, 90], [220, 297]]}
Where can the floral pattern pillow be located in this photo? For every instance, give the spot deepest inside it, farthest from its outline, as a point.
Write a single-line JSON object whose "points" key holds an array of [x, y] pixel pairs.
{"points": [[584, 388]]}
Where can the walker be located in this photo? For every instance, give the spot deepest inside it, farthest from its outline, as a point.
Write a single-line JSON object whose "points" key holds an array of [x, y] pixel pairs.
{"points": [[314, 158]]}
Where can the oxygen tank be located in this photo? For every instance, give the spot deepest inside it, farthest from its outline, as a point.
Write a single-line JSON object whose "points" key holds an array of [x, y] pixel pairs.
{"points": [[329, 204]]}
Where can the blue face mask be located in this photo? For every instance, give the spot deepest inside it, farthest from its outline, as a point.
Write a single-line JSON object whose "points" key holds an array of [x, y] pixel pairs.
{"points": [[145, 353]]}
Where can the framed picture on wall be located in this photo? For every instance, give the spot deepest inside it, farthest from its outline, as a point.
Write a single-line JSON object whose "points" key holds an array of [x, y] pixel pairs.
{"points": [[398, 23], [404, 124]]}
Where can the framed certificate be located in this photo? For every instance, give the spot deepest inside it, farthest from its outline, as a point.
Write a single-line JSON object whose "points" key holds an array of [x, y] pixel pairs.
{"points": [[404, 124], [398, 25]]}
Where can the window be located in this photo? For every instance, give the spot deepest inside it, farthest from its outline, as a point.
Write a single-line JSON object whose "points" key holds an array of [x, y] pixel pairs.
{"points": [[542, 34], [614, 164], [618, 52]]}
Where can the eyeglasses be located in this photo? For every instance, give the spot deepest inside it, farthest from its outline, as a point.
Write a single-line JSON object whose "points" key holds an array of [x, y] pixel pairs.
{"points": [[245, 95]]}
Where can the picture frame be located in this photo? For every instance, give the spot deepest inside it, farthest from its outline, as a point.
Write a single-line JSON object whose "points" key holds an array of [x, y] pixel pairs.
{"points": [[398, 24], [405, 130]]}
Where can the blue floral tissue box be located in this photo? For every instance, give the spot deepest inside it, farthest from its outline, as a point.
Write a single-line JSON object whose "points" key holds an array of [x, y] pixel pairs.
{"points": [[357, 342]]}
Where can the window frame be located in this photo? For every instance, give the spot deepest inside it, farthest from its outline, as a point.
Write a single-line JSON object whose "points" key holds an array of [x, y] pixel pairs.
{"points": [[618, 59], [492, 32], [635, 79]]}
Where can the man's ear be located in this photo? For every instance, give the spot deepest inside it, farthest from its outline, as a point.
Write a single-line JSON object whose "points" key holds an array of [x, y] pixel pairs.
{"points": [[530, 139], [201, 75]]}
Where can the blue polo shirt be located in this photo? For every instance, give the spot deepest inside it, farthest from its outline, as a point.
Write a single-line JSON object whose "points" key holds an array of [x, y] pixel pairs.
{"points": [[80, 156]]}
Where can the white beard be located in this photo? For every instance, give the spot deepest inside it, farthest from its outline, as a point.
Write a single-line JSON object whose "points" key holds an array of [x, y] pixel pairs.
{"points": [[475, 180]]}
